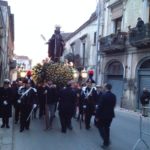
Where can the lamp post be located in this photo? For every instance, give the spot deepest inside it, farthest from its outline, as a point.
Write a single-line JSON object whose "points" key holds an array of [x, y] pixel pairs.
{"points": [[84, 74], [80, 75], [22, 74]]}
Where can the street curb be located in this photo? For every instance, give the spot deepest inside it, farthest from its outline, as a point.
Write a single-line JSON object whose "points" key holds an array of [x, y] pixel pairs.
{"points": [[136, 113]]}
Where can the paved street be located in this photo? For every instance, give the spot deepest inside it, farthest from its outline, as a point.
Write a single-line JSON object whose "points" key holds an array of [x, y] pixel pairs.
{"points": [[124, 134]]}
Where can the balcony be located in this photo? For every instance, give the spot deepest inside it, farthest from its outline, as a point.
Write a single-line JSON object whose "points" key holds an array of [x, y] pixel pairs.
{"points": [[113, 43], [12, 64], [140, 39]]}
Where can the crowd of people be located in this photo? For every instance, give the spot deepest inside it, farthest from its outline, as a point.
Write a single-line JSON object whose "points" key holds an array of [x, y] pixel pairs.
{"points": [[74, 100]]}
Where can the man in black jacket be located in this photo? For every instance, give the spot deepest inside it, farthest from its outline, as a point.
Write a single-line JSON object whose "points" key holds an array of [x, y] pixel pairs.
{"points": [[105, 114], [66, 106], [5, 103]]}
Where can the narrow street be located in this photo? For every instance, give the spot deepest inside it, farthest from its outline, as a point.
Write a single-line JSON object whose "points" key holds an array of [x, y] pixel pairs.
{"points": [[124, 134]]}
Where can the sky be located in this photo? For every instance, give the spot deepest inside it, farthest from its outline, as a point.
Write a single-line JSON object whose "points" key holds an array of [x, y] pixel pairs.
{"points": [[36, 17]]}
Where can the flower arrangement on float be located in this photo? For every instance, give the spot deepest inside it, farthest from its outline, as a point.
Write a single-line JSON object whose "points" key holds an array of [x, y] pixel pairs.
{"points": [[58, 73]]}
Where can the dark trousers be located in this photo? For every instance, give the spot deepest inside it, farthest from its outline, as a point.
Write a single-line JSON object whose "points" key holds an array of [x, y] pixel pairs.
{"points": [[41, 109], [25, 111], [65, 120], [5, 121], [104, 130], [88, 116], [17, 113]]}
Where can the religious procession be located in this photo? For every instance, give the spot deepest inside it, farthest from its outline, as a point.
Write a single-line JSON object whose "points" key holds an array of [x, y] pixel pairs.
{"points": [[49, 90]]}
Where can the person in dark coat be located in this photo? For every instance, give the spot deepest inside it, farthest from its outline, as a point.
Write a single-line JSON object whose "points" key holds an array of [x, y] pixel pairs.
{"points": [[145, 98], [89, 101], [52, 98], [5, 103], [15, 96], [28, 102], [140, 25], [41, 101], [105, 114], [99, 92], [66, 106]]}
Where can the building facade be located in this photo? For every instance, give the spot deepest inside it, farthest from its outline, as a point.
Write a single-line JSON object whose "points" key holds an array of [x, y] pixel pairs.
{"points": [[124, 52], [23, 64], [82, 44], [7, 63]]}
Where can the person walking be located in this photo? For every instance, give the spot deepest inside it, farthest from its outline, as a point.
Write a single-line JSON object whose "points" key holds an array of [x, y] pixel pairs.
{"points": [[28, 102], [67, 99], [105, 114], [89, 103], [5, 103]]}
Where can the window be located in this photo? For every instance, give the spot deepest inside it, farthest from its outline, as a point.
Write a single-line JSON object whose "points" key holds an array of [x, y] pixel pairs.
{"points": [[73, 47], [94, 41], [117, 24]]}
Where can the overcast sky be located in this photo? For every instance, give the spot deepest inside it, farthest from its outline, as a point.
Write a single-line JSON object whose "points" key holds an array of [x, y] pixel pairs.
{"points": [[36, 17]]}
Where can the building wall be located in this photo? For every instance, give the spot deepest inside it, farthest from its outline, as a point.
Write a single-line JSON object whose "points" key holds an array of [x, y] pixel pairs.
{"points": [[4, 41], [90, 46], [132, 56]]}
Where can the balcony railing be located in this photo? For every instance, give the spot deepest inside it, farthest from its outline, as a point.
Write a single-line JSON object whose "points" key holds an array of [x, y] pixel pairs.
{"points": [[140, 38], [113, 43]]}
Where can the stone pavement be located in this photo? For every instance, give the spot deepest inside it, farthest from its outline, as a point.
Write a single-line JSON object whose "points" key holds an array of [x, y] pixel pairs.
{"points": [[6, 137]]}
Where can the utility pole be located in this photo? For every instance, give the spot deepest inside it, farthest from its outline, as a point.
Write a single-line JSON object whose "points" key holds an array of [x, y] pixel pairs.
{"points": [[97, 38]]}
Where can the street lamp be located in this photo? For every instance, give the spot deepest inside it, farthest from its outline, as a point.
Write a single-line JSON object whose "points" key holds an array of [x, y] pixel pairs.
{"points": [[84, 74], [75, 74], [22, 74]]}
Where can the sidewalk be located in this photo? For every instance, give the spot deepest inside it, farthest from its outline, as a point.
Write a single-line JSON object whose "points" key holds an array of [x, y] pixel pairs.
{"points": [[6, 137]]}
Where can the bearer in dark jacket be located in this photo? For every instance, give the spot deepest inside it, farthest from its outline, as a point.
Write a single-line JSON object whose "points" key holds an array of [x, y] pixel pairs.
{"points": [[105, 114], [66, 106], [5, 103]]}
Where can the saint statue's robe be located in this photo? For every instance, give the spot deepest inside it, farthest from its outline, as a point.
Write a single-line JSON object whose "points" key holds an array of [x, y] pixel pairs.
{"points": [[55, 47]]}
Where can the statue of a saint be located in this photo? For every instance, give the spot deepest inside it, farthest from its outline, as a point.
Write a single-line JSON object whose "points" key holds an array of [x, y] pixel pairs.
{"points": [[56, 45]]}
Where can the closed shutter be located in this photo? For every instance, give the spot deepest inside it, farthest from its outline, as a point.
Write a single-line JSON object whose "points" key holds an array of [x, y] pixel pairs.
{"points": [[117, 87], [117, 12], [144, 83]]}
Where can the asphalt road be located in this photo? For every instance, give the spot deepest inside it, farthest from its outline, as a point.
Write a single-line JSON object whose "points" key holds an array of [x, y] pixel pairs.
{"points": [[124, 134]]}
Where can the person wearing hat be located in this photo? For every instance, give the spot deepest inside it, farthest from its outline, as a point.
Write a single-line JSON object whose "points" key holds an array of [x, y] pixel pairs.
{"points": [[88, 97], [5, 103], [28, 102]]}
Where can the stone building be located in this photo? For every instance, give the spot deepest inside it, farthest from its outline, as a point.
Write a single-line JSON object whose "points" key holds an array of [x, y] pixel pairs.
{"points": [[82, 44], [124, 51], [7, 63]]}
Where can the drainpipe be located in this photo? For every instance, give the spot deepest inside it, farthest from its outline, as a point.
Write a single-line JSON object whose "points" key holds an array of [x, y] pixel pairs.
{"points": [[97, 39]]}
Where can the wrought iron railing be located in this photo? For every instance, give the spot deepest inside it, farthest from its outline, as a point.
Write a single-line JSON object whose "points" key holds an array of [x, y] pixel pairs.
{"points": [[113, 42], [139, 37]]}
